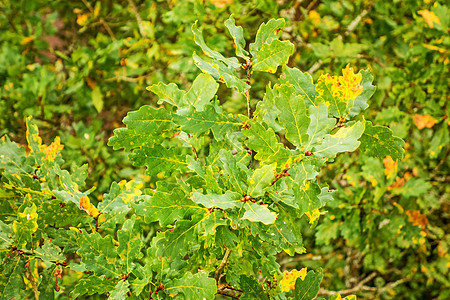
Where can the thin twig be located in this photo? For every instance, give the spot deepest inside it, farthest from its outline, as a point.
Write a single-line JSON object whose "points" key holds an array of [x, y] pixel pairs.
{"points": [[229, 294], [222, 265], [30, 277], [282, 174], [354, 289], [138, 18], [108, 29]]}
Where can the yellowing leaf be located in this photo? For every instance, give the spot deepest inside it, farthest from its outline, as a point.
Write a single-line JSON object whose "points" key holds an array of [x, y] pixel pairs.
{"points": [[27, 40], [82, 19], [287, 283], [417, 218], [429, 17], [221, 3], [390, 166], [314, 17], [424, 121], [87, 206], [350, 83], [312, 215], [52, 150]]}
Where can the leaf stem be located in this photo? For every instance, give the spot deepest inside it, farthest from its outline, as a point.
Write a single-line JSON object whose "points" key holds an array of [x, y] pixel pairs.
{"points": [[222, 265]]}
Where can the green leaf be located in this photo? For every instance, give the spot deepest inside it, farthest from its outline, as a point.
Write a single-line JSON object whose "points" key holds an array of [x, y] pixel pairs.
{"points": [[293, 115], [165, 207], [6, 232], [158, 159], [238, 36], [346, 139], [207, 175], [273, 55], [97, 98], [302, 82], [360, 103], [12, 271], [221, 72], [202, 91], [201, 122], [179, 241], [130, 243], [49, 253], [198, 38], [168, 93], [307, 289], [259, 213], [379, 141], [261, 180], [232, 172], [120, 291], [26, 223], [264, 141], [197, 286], [129, 139], [307, 197], [149, 120], [252, 288], [265, 35], [228, 200], [92, 285], [334, 99], [116, 204], [320, 124]]}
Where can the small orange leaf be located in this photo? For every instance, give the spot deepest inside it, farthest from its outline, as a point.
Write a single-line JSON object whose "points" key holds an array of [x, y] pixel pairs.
{"points": [[423, 121], [417, 218], [312, 215], [429, 17], [390, 166], [82, 19]]}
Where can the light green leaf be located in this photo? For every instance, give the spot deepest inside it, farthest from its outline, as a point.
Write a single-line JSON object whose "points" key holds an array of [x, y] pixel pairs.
{"points": [[379, 141], [198, 38], [293, 115], [308, 288], [302, 82], [168, 93], [130, 243], [335, 100], [116, 204], [320, 124], [232, 171], [252, 289], [158, 159], [149, 120], [207, 175], [49, 253], [120, 291], [221, 72], [307, 197], [238, 36], [228, 200], [5, 232], [129, 139], [261, 180], [346, 139], [97, 98], [165, 207], [26, 223], [273, 55], [259, 213], [202, 91], [264, 141], [265, 35], [201, 122], [92, 285], [197, 286]]}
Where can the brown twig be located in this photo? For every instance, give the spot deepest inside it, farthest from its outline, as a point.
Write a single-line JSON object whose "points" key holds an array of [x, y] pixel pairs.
{"points": [[30, 277], [108, 29], [138, 18], [354, 289], [229, 294], [283, 173], [222, 265]]}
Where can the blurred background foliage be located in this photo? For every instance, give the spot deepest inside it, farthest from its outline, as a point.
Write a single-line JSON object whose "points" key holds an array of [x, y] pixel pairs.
{"points": [[79, 66]]}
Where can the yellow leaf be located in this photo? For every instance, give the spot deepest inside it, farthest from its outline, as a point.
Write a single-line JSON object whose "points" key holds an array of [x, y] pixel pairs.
{"points": [[221, 3], [350, 83], [27, 40], [390, 166], [314, 17], [52, 150], [287, 283], [424, 121], [429, 17], [87, 206], [82, 19], [312, 215]]}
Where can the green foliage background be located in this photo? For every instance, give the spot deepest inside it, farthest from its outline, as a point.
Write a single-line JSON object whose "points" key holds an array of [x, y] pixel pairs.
{"points": [[79, 67]]}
